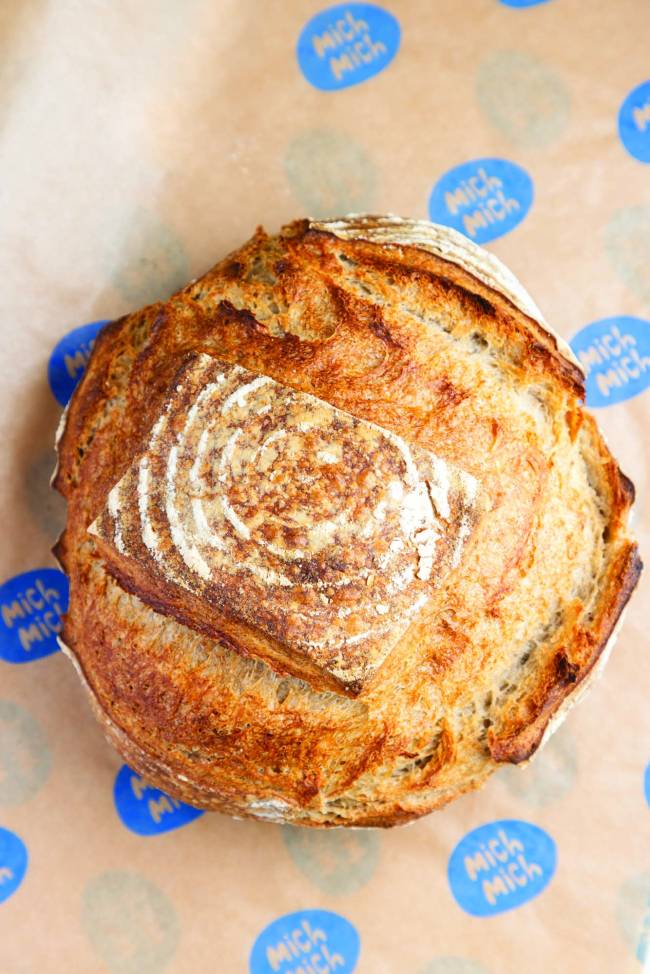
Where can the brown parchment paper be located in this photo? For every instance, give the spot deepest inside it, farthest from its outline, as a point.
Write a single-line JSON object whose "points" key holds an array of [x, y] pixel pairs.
{"points": [[140, 142]]}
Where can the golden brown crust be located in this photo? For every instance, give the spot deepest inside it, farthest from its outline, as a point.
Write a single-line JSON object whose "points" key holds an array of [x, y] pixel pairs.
{"points": [[401, 337]]}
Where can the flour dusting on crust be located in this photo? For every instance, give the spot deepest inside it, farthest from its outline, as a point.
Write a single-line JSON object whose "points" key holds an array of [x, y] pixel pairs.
{"points": [[324, 531]]}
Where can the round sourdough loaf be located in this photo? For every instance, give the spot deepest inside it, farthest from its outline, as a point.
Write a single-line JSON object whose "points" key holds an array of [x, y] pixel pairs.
{"points": [[341, 537]]}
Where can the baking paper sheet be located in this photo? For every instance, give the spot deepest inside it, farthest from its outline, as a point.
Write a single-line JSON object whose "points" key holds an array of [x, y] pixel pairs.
{"points": [[143, 140]]}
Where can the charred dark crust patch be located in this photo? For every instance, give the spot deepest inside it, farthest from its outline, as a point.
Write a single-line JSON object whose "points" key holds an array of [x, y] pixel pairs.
{"points": [[627, 489], [241, 317]]}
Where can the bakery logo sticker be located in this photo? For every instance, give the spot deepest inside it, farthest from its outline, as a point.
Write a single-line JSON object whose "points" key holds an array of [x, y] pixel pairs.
{"points": [[70, 358], [31, 606], [634, 122], [520, 4], [484, 198], [347, 44], [308, 942], [615, 356], [13, 863], [500, 866], [148, 811]]}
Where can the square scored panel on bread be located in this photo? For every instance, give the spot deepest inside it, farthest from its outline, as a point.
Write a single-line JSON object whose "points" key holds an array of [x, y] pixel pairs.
{"points": [[268, 517]]}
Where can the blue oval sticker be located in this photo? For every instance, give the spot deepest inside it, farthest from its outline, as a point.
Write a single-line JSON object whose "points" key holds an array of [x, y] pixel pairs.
{"points": [[615, 354], [634, 122], [70, 358], [646, 784], [484, 198], [31, 606], [13, 863], [347, 44], [323, 940], [522, 3], [500, 866], [148, 811]]}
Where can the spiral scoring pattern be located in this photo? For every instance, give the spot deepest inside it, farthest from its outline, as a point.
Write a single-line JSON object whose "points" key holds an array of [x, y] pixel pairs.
{"points": [[320, 529]]}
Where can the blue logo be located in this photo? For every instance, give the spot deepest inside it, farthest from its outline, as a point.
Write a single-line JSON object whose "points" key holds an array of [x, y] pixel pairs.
{"points": [[31, 606], [615, 354], [522, 3], [347, 44], [484, 198], [148, 811], [325, 941], [634, 122], [13, 863], [70, 358], [646, 784], [500, 866]]}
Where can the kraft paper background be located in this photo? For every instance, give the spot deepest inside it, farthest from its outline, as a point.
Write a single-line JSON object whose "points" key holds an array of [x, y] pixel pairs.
{"points": [[143, 140]]}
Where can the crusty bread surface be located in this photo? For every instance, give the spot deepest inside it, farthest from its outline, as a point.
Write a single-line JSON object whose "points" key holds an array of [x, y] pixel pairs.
{"points": [[341, 537]]}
